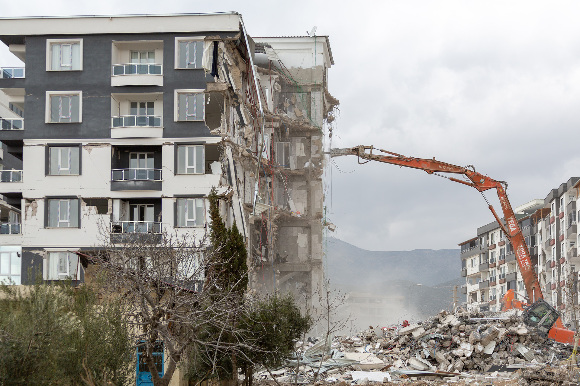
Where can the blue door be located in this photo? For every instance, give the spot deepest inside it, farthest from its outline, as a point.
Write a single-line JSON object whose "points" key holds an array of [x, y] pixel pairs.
{"points": [[143, 374]]}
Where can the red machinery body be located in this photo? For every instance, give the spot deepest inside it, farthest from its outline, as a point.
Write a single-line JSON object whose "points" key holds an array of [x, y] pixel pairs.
{"points": [[481, 183]]}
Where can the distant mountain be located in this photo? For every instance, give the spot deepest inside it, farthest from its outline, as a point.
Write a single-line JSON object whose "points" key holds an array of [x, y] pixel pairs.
{"points": [[424, 266], [387, 287]]}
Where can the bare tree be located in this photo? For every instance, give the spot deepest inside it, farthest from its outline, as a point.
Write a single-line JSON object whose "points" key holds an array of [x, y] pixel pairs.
{"points": [[170, 295]]}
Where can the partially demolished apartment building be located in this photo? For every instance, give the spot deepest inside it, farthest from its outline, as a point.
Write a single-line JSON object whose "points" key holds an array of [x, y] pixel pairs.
{"points": [[125, 123], [550, 230]]}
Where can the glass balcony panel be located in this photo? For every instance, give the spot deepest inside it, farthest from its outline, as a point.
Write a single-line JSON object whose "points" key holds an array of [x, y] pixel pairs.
{"points": [[137, 69], [118, 69], [142, 120]]}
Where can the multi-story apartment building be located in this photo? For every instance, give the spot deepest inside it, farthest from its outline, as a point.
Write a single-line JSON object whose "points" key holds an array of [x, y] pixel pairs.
{"points": [[125, 124], [489, 263], [557, 235]]}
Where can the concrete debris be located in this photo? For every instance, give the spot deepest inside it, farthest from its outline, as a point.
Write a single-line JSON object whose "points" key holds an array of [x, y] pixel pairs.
{"points": [[462, 348]]}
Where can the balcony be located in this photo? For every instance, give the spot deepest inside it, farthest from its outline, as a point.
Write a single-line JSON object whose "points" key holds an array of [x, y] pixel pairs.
{"points": [[10, 175], [137, 115], [552, 263], [137, 69], [464, 272], [552, 242], [11, 123], [483, 267], [135, 232], [137, 63], [561, 215], [552, 219], [511, 276], [510, 257], [562, 283], [464, 290], [501, 243], [561, 237], [492, 246], [553, 286], [562, 260], [135, 179], [136, 121], [483, 284], [501, 261], [136, 227], [137, 74], [571, 207], [12, 72], [572, 252], [7, 228]]}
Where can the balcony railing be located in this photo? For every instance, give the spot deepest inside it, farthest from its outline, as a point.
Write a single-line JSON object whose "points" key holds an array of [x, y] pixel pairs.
{"points": [[136, 175], [11, 72], [10, 175], [137, 69], [11, 123], [136, 227], [9, 228], [136, 121]]}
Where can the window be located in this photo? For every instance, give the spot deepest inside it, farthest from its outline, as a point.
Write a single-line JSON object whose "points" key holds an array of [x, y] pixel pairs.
{"points": [[63, 106], [10, 267], [191, 159], [283, 154], [189, 53], [63, 160], [64, 55], [63, 213], [190, 212], [142, 57], [62, 265], [141, 166], [142, 108], [190, 105]]}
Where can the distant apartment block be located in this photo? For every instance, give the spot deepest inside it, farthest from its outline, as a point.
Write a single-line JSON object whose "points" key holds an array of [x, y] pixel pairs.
{"points": [[550, 229]]}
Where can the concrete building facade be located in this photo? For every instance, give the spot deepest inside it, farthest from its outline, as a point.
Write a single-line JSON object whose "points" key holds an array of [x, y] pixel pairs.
{"points": [[122, 125]]}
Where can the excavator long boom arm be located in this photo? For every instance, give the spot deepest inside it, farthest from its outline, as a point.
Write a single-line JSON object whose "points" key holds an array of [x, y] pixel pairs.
{"points": [[477, 181]]}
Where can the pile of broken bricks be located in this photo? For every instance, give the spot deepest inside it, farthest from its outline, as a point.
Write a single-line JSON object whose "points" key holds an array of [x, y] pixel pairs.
{"points": [[462, 345]]}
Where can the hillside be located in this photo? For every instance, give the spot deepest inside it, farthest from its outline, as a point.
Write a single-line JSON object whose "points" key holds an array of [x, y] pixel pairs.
{"points": [[388, 286]]}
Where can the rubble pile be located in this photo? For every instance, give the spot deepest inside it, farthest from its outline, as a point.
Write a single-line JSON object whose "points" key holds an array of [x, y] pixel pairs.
{"points": [[451, 345]]}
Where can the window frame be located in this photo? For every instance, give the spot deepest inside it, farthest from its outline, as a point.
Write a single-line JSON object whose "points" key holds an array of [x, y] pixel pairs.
{"points": [[195, 198], [51, 265], [11, 275], [48, 105], [178, 168], [48, 159], [51, 42], [188, 39], [55, 224], [176, 106]]}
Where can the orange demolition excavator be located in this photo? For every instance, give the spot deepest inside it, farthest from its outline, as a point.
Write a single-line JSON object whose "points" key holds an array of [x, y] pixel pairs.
{"points": [[539, 313]]}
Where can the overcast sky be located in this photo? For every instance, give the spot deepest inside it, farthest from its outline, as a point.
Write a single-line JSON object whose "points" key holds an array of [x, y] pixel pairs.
{"points": [[494, 84]]}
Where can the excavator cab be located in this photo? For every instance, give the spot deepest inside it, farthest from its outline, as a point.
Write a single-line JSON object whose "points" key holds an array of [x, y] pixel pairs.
{"points": [[541, 315]]}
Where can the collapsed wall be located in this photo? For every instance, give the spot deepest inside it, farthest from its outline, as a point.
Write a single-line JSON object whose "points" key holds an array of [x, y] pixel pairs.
{"points": [[270, 104]]}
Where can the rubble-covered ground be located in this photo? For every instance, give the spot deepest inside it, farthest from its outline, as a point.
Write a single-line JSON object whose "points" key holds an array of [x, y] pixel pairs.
{"points": [[458, 349]]}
